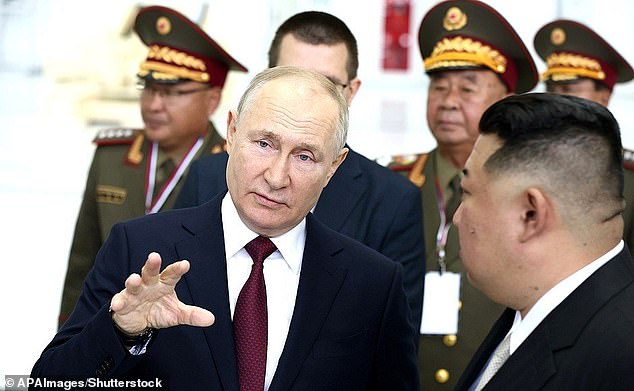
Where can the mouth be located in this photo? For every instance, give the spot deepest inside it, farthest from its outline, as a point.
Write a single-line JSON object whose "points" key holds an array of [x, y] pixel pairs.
{"points": [[268, 202], [153, 123], [448, 123]]}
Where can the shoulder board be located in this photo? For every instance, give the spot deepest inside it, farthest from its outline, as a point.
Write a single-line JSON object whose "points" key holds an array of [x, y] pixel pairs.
{"points": [[219, 148], [628, 159], [116, 136], [403, 162]]}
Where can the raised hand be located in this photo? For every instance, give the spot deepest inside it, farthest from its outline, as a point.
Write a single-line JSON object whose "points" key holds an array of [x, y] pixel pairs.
{"points": [[149, 300]]}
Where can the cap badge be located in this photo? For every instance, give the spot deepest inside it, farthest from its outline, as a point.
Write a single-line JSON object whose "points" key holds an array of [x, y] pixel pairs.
{"points": [[163, 25], [557, 36], [455, 19]]}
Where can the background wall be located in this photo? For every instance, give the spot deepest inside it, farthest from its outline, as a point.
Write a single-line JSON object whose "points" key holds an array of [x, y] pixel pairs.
{"points": [[67, 69]]}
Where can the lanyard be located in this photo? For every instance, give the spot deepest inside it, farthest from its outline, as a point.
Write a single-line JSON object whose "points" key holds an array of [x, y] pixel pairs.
{"points": [[153, 206], [443, 228]]}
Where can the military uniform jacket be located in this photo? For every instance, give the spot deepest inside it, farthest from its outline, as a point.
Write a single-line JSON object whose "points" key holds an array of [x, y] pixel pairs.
{"points": [[115, 191], [442, 358]]}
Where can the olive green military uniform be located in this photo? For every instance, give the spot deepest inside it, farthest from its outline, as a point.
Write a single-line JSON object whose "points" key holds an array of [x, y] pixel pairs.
{"points": [[442, 358], [178, 51], [115, 192]]}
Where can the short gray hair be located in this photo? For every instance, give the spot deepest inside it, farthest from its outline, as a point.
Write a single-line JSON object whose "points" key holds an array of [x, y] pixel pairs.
{"points": [[313, 78]]}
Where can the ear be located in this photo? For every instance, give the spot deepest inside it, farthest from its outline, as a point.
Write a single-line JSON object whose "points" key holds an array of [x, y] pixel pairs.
{"points": [[213, 100], [603, 96], [336, 163], [231, 129], [355, 84], [536, 215]]}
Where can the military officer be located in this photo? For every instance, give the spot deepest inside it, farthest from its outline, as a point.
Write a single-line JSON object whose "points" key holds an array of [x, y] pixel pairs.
{"points": [[580, 62], [473, 58], [140, 171]]}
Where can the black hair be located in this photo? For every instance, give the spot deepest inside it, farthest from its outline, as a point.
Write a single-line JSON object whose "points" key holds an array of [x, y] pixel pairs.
{"points": [[316, 28]]}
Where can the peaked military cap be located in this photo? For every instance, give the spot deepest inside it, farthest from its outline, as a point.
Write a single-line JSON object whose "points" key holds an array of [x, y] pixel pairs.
{"points": [[180, 50], [572, 50], [468, 34]]}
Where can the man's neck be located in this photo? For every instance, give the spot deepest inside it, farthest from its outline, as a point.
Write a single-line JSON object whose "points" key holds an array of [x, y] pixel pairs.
{"points": [[457, 155]]}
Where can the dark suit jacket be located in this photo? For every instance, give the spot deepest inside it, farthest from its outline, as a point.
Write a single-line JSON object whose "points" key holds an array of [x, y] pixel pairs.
{"points": [[585, 343], [349, 329], [363, 200]]}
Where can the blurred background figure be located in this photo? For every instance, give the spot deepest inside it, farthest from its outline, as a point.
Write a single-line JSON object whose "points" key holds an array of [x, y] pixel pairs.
{"points": [[140, 171], [579, 62]]}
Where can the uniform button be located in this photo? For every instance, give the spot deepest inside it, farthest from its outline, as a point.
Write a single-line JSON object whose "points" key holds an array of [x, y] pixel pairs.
{"points": [[442, 376], [459, 305], [450, 340]]}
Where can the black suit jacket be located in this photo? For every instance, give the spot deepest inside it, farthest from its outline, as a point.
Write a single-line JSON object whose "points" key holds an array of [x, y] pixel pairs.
{"points": [[363, 200], [585, 343], [349, 328]]}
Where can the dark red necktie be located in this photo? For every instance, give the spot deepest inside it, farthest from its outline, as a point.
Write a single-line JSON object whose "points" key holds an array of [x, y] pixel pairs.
{"points": [[250, 319]]}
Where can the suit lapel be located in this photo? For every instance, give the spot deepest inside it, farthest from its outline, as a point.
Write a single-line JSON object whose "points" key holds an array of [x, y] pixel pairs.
{"points": [[529, 367], [319, 284], [533, 363], [342, 193], [481, 356], [207, 284]]}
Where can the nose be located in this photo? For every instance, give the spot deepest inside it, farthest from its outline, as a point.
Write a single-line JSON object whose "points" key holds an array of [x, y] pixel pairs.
{"points": [[451, 98], [277, 174], [155, 100]]}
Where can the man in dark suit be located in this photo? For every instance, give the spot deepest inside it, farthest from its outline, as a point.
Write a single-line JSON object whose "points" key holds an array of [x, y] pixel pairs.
{"points": [[317, 310], [540, 228], [364, 200]]}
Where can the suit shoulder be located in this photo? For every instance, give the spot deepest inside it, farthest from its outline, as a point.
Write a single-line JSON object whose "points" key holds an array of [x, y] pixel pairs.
{"points": [[628, 159], [212, 161], [334, 242], [117, 136]]}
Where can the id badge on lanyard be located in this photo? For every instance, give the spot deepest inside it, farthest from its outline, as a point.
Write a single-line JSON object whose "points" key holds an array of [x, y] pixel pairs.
{"points": [[442, 289]]}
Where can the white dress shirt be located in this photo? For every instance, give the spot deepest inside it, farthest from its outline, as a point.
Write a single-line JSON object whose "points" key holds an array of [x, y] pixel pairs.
{"points": [[522, 328], [281, 275]]}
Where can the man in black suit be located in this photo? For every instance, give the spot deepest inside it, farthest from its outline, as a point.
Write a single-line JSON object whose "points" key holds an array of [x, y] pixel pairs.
{"points": [[540, 228], [318, 310], [364, 200]]}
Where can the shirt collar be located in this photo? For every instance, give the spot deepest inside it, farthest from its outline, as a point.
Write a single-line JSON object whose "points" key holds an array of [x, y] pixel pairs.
{"points": [[237, 235], [445, 171], [522, 328]]}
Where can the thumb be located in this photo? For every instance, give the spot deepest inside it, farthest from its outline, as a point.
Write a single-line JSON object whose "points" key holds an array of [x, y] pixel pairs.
{"points": [[196, 316]]}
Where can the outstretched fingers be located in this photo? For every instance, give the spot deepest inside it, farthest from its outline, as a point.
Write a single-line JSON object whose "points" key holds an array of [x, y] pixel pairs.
{"points": [[173, 273], [195, 316], [149, 299], [151, 269]]}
